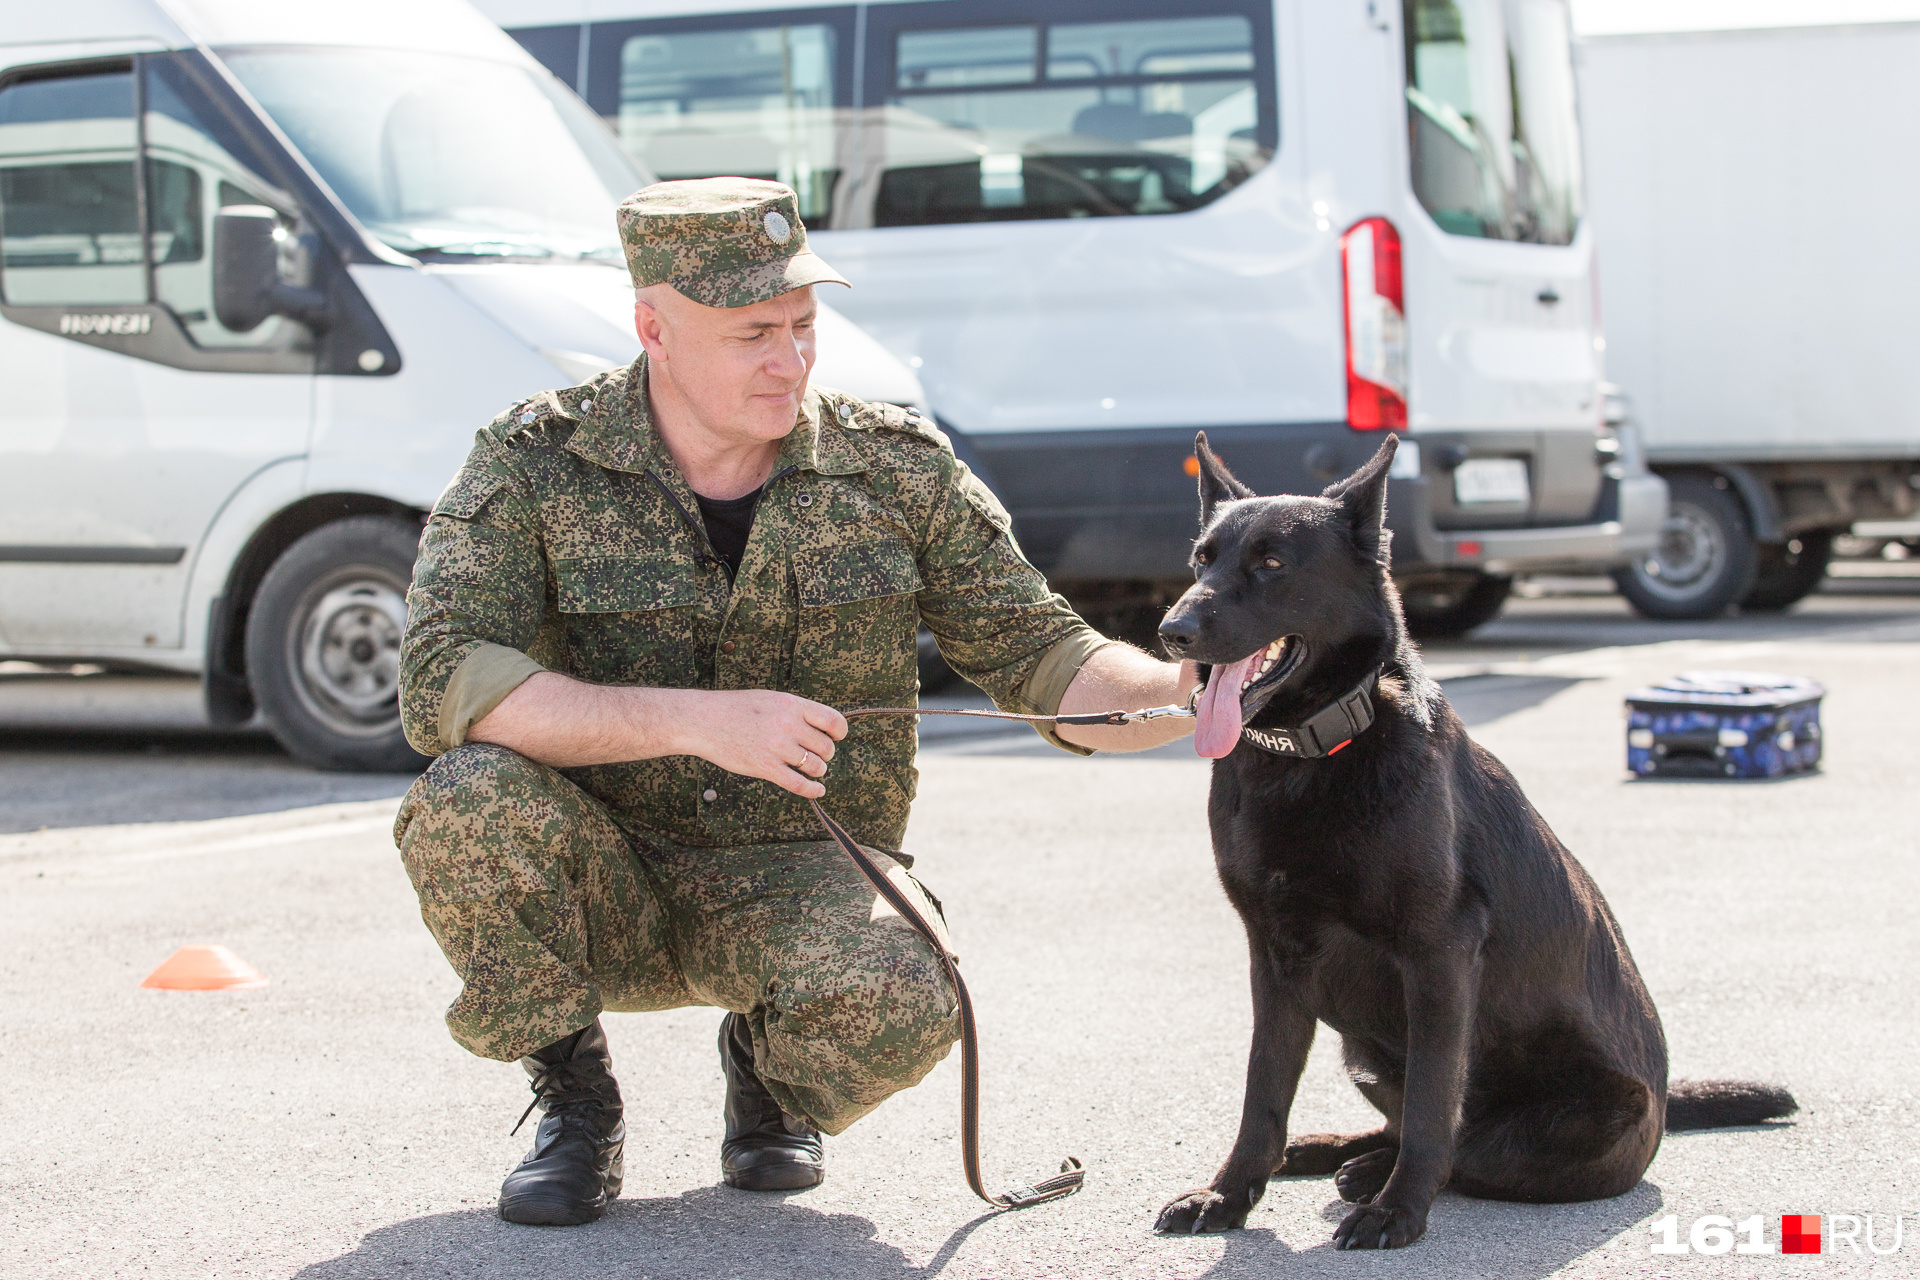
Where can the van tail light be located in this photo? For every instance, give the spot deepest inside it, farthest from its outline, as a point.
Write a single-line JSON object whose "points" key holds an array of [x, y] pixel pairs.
{"points": [[1376, 326]]}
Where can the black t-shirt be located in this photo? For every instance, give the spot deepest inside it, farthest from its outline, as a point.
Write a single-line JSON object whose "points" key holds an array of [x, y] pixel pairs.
{"points": [[728, 522]]}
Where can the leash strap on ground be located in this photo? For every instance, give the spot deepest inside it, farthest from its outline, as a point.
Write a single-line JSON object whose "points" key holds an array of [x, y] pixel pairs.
{"points": [[1072, 1172]]}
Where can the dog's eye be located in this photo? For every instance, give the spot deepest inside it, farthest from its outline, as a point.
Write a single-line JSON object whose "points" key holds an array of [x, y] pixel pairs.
{"points": [[1199, 557], [1272, 563]]}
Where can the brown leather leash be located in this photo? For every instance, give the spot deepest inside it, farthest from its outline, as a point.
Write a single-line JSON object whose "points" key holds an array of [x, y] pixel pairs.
{"points": [[1072, 1172]]}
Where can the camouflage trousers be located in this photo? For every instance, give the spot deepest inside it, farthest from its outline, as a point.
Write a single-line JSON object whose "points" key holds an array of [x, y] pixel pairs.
{"points": [[551, 912]]}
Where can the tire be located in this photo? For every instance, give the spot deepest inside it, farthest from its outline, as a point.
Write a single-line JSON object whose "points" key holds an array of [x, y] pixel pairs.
{"points": [[1706, 558], [323, 645], [1447, 607], [1788, 572], [935, 675]]}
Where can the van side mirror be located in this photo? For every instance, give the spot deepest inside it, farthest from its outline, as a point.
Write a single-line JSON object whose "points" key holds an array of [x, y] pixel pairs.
{"points": [[246, 272]]}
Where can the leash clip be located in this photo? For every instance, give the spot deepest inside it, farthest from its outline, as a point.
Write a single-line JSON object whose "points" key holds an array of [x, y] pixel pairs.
{"points": [[1160, 713], [1178, 711]]}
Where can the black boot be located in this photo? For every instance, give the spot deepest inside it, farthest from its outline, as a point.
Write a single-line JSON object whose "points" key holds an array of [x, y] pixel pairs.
{"points": [[574, 1169], [765, 1148]]}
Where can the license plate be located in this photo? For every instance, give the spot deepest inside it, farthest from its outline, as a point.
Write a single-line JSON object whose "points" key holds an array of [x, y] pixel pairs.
{"points": [[1490, 480]]}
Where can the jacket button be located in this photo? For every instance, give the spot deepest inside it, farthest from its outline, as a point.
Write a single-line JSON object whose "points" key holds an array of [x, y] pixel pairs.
{"points": [[726, 646], [709, 795], [805, 499]]}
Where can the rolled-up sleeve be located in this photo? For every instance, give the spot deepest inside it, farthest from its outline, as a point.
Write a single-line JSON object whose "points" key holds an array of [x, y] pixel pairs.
{"points": [[997, 622], [476, 606]]}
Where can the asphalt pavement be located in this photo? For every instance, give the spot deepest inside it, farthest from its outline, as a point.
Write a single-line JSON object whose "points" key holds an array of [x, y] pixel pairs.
{"points": [[325, 1127]]}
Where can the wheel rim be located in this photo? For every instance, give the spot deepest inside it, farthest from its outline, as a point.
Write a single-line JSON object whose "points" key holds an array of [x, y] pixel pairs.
{"points": [[1690, 556], [345, 651]]}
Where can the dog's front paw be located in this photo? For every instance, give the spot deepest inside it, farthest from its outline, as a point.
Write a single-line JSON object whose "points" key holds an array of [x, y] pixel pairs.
{"points": [[1361, 1178], [1380, 1226], [1203, 1210]]}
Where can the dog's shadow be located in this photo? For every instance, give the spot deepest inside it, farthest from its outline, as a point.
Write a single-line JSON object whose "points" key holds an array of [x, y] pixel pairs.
{"points": [[1465, 1237]]}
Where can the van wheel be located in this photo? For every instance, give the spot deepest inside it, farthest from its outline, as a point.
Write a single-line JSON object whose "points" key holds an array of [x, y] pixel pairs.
{"points": [[1788, 572], [1439, 608], [323, 645], [1705, 559]]}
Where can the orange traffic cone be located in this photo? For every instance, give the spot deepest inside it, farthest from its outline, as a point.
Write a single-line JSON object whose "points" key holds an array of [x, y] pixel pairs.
{"points": [[204, 967]]}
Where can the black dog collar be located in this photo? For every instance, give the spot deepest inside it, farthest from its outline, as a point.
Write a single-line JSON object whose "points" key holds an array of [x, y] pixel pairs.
{"points": [[1326, 730]]}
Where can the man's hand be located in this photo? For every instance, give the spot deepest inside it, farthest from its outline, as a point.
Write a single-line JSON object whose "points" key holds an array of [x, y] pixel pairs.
{"points": [[753, 732], [762, 734]]}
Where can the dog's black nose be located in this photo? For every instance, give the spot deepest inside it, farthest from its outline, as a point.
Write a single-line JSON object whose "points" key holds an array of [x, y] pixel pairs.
{"points": [[1178, 631]]}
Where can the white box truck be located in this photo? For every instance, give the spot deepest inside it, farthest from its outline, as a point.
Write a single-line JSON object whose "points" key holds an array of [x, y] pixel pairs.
{"points": [[1753, 192], [1096, 225], [264, 270]]}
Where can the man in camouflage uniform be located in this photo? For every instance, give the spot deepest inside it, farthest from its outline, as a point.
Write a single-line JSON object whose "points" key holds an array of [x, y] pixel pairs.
{"points": [[635, 611]]}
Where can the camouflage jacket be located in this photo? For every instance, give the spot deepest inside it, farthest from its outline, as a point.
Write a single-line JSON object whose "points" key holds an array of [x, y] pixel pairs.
{"points": [[569, 542]]}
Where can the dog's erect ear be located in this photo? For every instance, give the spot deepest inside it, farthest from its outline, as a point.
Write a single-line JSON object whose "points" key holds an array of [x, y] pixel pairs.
{"points": [[1363, 497], [1217, 484]]}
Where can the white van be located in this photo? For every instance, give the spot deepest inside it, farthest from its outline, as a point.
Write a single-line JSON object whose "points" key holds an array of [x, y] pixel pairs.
{"points": [[264, 270], [1095, 225]]}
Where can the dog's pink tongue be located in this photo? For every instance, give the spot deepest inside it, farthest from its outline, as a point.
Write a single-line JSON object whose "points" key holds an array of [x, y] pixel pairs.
{"points": [[1216, 726]]}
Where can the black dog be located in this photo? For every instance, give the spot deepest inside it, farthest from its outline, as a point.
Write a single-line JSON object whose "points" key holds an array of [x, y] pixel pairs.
{"points": [[1397, 886]]}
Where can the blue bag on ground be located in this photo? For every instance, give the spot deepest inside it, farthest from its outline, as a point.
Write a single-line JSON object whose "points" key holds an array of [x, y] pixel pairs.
{"points": [[1724, 724]]}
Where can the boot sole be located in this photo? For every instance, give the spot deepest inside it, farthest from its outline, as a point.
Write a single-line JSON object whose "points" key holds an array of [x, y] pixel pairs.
{"points": [[779, 1177], [550, 1213]]}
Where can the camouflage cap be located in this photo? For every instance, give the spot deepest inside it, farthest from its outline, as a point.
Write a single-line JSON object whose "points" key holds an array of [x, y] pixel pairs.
{"points": [[724, 242]]}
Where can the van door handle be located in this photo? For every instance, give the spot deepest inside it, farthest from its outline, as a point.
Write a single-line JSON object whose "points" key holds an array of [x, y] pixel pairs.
{"points": [[1547, 297]]}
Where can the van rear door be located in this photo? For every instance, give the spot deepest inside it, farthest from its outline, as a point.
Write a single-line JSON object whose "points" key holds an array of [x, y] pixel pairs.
{"points": [[1500, 313]]}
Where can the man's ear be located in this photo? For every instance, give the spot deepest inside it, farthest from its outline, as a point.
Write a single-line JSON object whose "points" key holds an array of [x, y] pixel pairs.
{"points": [[1363, 500], [648, 325], [1217, 484]]}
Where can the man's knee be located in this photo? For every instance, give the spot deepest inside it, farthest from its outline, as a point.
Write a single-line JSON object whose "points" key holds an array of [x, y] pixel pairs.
{"points": [[480, 821], [845, 1045]]}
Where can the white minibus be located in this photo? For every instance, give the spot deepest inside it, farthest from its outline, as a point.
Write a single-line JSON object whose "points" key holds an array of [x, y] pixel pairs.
{"points": [[264, 270], [1093, 226]]}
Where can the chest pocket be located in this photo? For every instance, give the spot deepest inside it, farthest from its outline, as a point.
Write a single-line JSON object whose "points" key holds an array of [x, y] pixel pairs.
{"points": [[623, 584], [630, 620], [857, 619]]}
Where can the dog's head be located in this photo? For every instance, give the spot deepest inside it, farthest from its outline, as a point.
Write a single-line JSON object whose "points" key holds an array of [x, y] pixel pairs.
{"points": [[1288, 593]]}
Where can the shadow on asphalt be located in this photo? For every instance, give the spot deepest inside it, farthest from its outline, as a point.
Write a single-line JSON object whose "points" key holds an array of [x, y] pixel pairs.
{"points": [[711, 1231], [89, 777], [1484, 699], [716, 1232], [1463, 1237]]}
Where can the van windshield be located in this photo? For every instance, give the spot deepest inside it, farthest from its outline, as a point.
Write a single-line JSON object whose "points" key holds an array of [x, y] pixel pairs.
{"points": [[448, 156]]}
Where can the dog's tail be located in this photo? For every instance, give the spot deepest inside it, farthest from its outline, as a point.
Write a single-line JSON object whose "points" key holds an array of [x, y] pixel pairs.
{"points": [[1721, 1104]]}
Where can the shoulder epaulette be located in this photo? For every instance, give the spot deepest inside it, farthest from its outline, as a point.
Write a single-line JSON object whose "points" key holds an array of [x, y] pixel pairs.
{"points": [[548, 415], [872, 415]]}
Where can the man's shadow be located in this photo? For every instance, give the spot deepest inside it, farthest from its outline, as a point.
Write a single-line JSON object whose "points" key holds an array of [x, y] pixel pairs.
{"points": [[1465, 1237], [710, 1231]]}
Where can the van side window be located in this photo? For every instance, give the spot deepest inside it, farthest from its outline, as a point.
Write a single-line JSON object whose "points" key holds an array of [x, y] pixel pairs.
{"points": [[1069, 119], [85, 157], [754, 102], [191, 175], [1492, 131], [69, 198]]}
